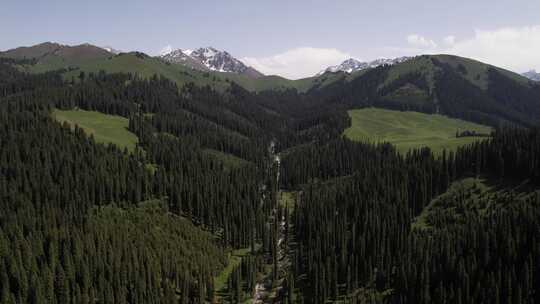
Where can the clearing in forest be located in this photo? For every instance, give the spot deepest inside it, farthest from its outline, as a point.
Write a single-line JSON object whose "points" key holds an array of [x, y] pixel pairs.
{"points": [[105, 128], [408, 130]]}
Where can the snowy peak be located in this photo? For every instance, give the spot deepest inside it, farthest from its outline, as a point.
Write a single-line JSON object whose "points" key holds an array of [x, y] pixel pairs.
{"points": [[111, 50], [175, 56], [352, 65], [210, 59], [219, 61], [532, 75]]}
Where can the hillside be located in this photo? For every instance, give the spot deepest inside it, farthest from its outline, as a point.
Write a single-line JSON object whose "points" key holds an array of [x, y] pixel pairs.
{"points": [[437, 220], [472, 197]]}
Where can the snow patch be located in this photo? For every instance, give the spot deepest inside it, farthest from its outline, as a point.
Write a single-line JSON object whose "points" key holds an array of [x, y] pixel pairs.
{"points": [[352, 65]]}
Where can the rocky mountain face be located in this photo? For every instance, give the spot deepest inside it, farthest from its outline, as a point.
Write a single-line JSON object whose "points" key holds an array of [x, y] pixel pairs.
{"points": [[210, 59], [352, 65], [182, 57]]}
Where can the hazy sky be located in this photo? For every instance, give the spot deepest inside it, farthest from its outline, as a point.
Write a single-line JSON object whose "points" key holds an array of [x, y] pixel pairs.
{"points": [[293, 38]]}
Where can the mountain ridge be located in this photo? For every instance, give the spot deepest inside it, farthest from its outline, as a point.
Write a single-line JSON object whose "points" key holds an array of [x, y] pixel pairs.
{"points": [[49, 56], [189, 67]]}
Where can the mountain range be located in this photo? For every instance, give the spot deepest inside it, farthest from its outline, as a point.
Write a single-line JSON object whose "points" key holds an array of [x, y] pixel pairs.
{"points": [[50, 56], [426, 82]]}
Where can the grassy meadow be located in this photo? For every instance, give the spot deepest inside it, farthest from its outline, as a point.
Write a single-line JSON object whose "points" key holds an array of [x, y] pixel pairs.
{"points": [[408, 130], [105, 128]]}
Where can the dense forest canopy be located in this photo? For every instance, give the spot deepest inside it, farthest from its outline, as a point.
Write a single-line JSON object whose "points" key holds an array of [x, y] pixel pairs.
{"points": [[307, 217]]}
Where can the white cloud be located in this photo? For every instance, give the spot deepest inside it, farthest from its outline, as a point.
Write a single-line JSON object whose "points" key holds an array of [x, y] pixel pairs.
{"points": [[297, 63], [166, 49], [416, 40], [449, 40], [514, 48]]}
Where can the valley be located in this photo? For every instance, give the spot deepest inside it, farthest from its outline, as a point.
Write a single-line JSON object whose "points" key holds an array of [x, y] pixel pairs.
{"points": [[205, 184]]}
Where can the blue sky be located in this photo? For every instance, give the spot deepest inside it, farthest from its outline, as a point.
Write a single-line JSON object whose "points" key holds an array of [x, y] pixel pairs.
{"points": [[293, 38]]}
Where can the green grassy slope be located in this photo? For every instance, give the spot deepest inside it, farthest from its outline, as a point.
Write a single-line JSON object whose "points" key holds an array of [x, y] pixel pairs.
{"points": [[271, 82], [105, 128], [144, 66], [409, 130]]}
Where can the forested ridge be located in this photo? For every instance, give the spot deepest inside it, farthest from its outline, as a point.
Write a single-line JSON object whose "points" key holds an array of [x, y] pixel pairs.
{"points": [[84, 222], [367, 249]]}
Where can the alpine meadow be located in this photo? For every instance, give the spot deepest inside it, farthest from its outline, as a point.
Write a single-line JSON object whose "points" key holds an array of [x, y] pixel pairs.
{"points": [[193, 176]]}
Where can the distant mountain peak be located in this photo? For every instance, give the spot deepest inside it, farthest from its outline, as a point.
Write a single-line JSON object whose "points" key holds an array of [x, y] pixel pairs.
{"points": [[210, 59], [352, 65], [532, 75], [111, 50]]}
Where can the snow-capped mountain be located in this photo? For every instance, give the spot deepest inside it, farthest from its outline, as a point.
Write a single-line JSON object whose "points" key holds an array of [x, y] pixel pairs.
{"points": [[210, 59], [532, 75], [352, 65], [111, 50], [182, 57]]}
